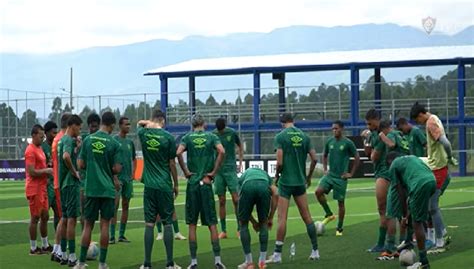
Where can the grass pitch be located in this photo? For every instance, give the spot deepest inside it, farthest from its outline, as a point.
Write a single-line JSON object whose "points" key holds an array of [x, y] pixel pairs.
{"points": [[348, 251]]}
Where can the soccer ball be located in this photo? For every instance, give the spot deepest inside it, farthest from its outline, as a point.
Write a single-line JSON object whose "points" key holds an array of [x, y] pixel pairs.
{"points": [[407, 257], [93, 251], [319, 228]]}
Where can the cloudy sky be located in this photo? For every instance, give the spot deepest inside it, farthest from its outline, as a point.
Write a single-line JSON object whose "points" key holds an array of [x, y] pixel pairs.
{"points": [[51, 26]]}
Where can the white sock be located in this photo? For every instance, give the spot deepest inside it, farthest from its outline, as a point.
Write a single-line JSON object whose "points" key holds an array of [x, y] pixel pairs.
{"points": [[64, 256], [56, 248], [277, 255], [32, 244], [217, 259], [72, 257], [431, 234], [315, 253], [194, 261], [445, 232], [44, 241], [263, 256], [248, 258], [440, 242]]}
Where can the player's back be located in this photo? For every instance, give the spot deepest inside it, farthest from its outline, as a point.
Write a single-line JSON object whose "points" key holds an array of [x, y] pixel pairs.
{"points": [[100, 152], [411, 171], [295, 145], [158, 147]]}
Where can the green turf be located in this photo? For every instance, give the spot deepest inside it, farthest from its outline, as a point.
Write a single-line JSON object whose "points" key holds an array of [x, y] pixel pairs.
{"points": [[347, 251]]}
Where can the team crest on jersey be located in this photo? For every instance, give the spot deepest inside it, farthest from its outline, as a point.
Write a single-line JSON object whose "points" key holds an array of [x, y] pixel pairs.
{"points": [[199, 142], [228, 138], [153, 144], [341, 147], [98, 147], [331, 146]]}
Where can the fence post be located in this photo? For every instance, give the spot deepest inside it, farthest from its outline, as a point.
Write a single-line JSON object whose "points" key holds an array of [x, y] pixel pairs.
{"points": [[461, 115]]}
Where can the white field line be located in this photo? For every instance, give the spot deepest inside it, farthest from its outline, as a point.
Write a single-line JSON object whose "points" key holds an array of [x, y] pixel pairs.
{"points": [[290, 218]]}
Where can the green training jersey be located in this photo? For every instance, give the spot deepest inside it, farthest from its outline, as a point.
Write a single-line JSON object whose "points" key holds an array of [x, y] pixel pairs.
{"points": [[201, 152], [401, 146], [67, 144], [417, 141], [127, 156], [100, 152], [229, 140], [254, 174], [339, 153], [47, 152], [158, 147], [411, 172], [295, 145]]}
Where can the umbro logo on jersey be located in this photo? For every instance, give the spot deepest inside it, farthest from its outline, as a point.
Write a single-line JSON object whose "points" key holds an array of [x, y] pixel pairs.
{"points": [[199, 142], [153, 143], [98, 145]]}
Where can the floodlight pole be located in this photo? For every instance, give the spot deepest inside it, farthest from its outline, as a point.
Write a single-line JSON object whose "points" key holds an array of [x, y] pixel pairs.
{"points": [[70, 91]]}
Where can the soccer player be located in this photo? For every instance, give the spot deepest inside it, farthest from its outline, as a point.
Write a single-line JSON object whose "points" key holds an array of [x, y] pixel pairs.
{"points": [[50, 130], [375, 148], [57, 254], [414, 180], [205, 154], [416, 137], [256, 189], [93, 123], [160, 178], [439, 156], [129, 163], [100, 157], [226, 177], [69, 182], [338, 149], [292, 147], [37, 173], [159, 228]]}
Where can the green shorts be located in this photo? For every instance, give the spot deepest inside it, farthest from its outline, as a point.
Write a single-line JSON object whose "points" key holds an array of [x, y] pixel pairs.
{"points": [[419, 201], [51, 196], [383, 174], [394, 209], [337, 185], [126, 189], [157, 202], [287, 191], [254, 193], [200, 200], [225, 178], [70, 201], [94, 205]]}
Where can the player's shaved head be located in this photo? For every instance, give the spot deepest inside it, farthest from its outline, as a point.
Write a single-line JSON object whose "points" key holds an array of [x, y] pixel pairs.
{"points": [[221, 123], [286, 117]]}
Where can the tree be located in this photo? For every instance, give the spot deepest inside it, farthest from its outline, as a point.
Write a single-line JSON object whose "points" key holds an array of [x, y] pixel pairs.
{"points": [[211, 101], [28, 119], [56, 110]]}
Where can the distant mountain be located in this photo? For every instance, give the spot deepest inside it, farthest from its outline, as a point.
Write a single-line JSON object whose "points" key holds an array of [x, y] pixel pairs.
{"points": [[119, 69]]}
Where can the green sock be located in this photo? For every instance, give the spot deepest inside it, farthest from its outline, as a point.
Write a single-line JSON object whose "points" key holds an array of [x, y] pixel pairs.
{"points": [[311, 230], [340, 222], [175, 226], [193, 246], [223, 225], [216, 248], [409, 235], [83, 256], [148, 240], [102, 255], [391, 243], [72, 245], [423, 258], [382, 235], [326, 209], [263, 236], [245, 238], [159, 226], [123, 226], [63, 245], [112, 231], [402, 237], [168, 240]]}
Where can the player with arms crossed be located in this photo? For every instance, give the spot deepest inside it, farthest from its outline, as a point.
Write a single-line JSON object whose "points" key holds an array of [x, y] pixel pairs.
{"points": [[292, 148], [338, 149], [204, 157], [100, 157]]}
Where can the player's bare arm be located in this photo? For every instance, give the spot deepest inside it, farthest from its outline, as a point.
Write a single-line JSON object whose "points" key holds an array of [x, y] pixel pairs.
{"points": [[355, 166], [312, 165], [174, 176], [67, 159], [179, 153]]}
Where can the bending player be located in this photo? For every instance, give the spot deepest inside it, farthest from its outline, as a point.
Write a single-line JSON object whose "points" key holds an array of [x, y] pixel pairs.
{"points": [[293, 146], [415, 184], [338, 149], [256, 189]]}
